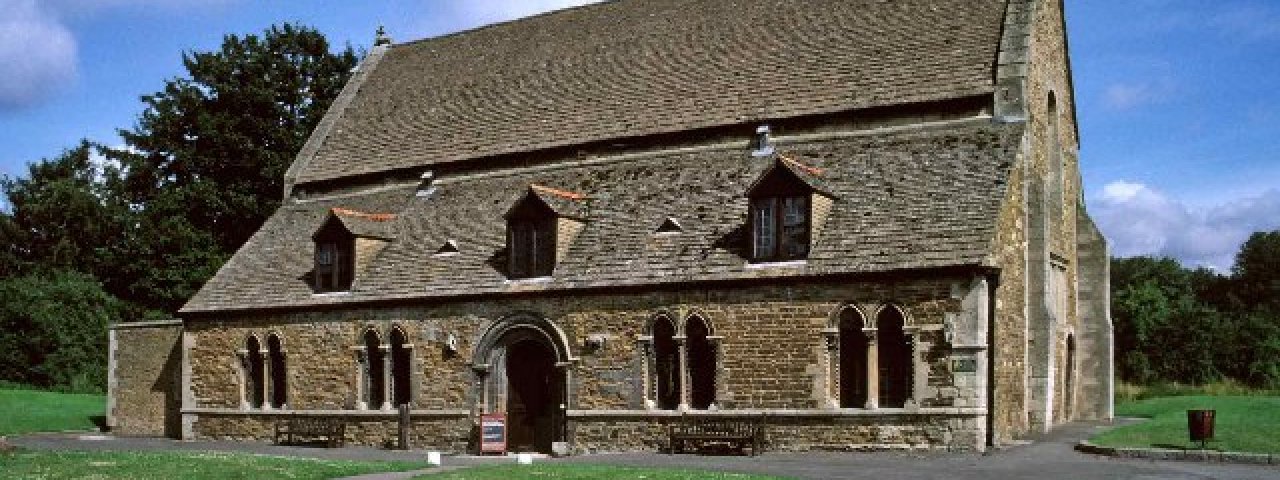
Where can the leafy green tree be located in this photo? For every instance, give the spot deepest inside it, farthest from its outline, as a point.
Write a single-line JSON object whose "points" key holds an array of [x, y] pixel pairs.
{"points": [[206, 160], [53, 330], [65, 214], [1256, 272]]}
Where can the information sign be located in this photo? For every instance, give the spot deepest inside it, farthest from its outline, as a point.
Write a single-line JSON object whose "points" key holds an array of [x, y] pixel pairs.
{"points": [[493, 433]]}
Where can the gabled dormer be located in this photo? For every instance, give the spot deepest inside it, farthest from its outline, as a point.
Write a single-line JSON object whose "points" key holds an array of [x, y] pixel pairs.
{"points": [[540, 227], [789, 203], [344, 245]]}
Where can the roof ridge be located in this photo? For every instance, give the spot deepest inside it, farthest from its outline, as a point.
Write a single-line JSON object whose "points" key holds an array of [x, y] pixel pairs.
{"points": [[477, 28]]}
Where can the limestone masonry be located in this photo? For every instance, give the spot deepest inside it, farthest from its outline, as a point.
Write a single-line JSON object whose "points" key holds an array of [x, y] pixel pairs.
{"points": [[858, 223]]}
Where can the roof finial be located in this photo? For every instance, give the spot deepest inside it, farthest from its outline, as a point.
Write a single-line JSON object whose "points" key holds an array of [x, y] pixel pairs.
{"points": [[381, 38]]}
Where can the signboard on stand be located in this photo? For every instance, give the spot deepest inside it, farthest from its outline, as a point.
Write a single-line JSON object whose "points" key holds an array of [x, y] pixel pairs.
{"points": [[493, 433]]}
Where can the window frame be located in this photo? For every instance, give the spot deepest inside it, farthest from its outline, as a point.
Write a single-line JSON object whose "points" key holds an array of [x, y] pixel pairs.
{"points": [[338, 273], [779, 236], [531, 246]]}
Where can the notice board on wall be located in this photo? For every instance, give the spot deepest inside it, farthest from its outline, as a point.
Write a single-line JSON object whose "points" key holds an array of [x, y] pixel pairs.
{"points": [[493, 433]]}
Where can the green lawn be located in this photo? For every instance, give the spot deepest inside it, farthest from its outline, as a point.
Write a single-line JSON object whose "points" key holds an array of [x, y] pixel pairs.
{"points": [[186, 466], [585, 472], [1243, 423], [38, 411]]}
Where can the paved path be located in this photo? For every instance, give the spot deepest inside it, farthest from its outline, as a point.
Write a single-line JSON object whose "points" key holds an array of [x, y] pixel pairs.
{"points": [[1049, 457]]}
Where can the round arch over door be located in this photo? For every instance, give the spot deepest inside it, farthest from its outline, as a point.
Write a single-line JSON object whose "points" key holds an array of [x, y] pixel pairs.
{"points": [[524, 362]]}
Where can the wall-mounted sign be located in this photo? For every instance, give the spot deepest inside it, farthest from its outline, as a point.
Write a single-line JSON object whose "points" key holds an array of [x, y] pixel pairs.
{"points": [[964, 365], [493, 433]]}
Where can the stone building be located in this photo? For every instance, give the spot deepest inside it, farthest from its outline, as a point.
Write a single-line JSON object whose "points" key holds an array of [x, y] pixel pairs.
{"points": [[857, 221]]}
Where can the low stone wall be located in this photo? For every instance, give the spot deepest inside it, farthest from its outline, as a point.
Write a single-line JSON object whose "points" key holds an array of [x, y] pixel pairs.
{"points": [[852, 430], [442, 431], [143, 378]]}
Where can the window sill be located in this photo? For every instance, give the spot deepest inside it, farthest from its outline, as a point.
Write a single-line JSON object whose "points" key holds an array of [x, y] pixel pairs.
{"points": [[331, 294], [782, 264], [523, 281]]}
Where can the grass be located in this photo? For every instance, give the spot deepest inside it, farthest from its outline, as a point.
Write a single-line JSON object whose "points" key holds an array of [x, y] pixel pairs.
{"points": [[1242, 424], [586, 472], [186, 466], [40, 411]]}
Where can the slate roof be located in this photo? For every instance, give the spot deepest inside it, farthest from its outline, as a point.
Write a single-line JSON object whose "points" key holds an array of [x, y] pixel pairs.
{"points": [[910, 197], [644, 67]]}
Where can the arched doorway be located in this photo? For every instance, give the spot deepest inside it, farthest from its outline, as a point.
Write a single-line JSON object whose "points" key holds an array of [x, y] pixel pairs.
{"points": [[533, 400], [523, 361]]}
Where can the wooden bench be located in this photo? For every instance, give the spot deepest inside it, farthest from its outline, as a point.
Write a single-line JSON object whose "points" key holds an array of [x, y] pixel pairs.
{"points": [[696, 434], [328, 430]]}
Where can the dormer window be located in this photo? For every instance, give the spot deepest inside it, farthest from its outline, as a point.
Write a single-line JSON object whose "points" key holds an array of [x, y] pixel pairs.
{"points": [[780, 227], [334, 269], [540, 228], [344, 244], [787, 204]]}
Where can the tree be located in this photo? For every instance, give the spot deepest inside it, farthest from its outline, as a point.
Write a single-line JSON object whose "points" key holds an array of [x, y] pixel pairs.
{"points": [[206, 161], [53, 330], [65, 215], [1256, 272]]}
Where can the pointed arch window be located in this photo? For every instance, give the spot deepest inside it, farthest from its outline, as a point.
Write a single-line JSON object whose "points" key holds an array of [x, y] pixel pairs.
{"points": [[373, 380], [253, 366], [702, 363], [666, 364], [853, 359], [275, 360], [401, 356], [894, 358]]}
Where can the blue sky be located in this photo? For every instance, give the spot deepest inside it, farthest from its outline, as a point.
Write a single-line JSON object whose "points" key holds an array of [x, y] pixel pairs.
{"points": [[1178, 100]]}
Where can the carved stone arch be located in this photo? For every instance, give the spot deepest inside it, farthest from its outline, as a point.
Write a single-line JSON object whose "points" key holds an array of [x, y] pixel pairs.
{"points": [[848, 347], [522, 364], [373, 369], [907, 319], [537, 325], [661, 315], [896, 356], [700, 315]]}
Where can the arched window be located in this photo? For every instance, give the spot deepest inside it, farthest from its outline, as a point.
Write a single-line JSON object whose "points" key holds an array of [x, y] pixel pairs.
{"points": [[374, 371], [853, 360], [894, 358], [702, 363], [253, 372], [275, 359], [666, 364], [400, 357]]}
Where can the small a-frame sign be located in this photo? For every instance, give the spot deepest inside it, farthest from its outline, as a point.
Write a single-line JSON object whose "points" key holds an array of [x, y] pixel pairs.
{"points": [[493, 433]]}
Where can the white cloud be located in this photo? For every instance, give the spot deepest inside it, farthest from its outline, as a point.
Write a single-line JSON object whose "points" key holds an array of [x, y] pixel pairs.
{"points": [[1139, 220], [37, 51]]}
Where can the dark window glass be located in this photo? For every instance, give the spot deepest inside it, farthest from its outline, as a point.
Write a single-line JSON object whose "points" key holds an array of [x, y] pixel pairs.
{"points": [[666, 364], [334, 269], [780, 228], [532, 247]]}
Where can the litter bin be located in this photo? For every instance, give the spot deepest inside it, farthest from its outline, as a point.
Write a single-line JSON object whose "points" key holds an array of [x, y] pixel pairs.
{"points": [[1200, 425]]}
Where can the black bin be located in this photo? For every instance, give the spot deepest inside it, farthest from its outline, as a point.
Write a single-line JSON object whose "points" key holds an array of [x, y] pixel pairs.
{"points": [[1200, 425]]}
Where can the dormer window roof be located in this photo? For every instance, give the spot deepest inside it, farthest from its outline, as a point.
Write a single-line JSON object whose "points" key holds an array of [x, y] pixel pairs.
{"points": [[336, 257], [540, 228], [786, 202]]}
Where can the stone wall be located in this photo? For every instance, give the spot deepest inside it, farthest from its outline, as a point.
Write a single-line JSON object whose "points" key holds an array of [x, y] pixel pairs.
{"points": [[143, 378], [771, 356]]}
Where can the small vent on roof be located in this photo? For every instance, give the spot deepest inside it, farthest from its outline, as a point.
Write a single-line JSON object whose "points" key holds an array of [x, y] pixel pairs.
{"points": [[669, 227], [761, 145], [450, 247], [426, 184]]}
